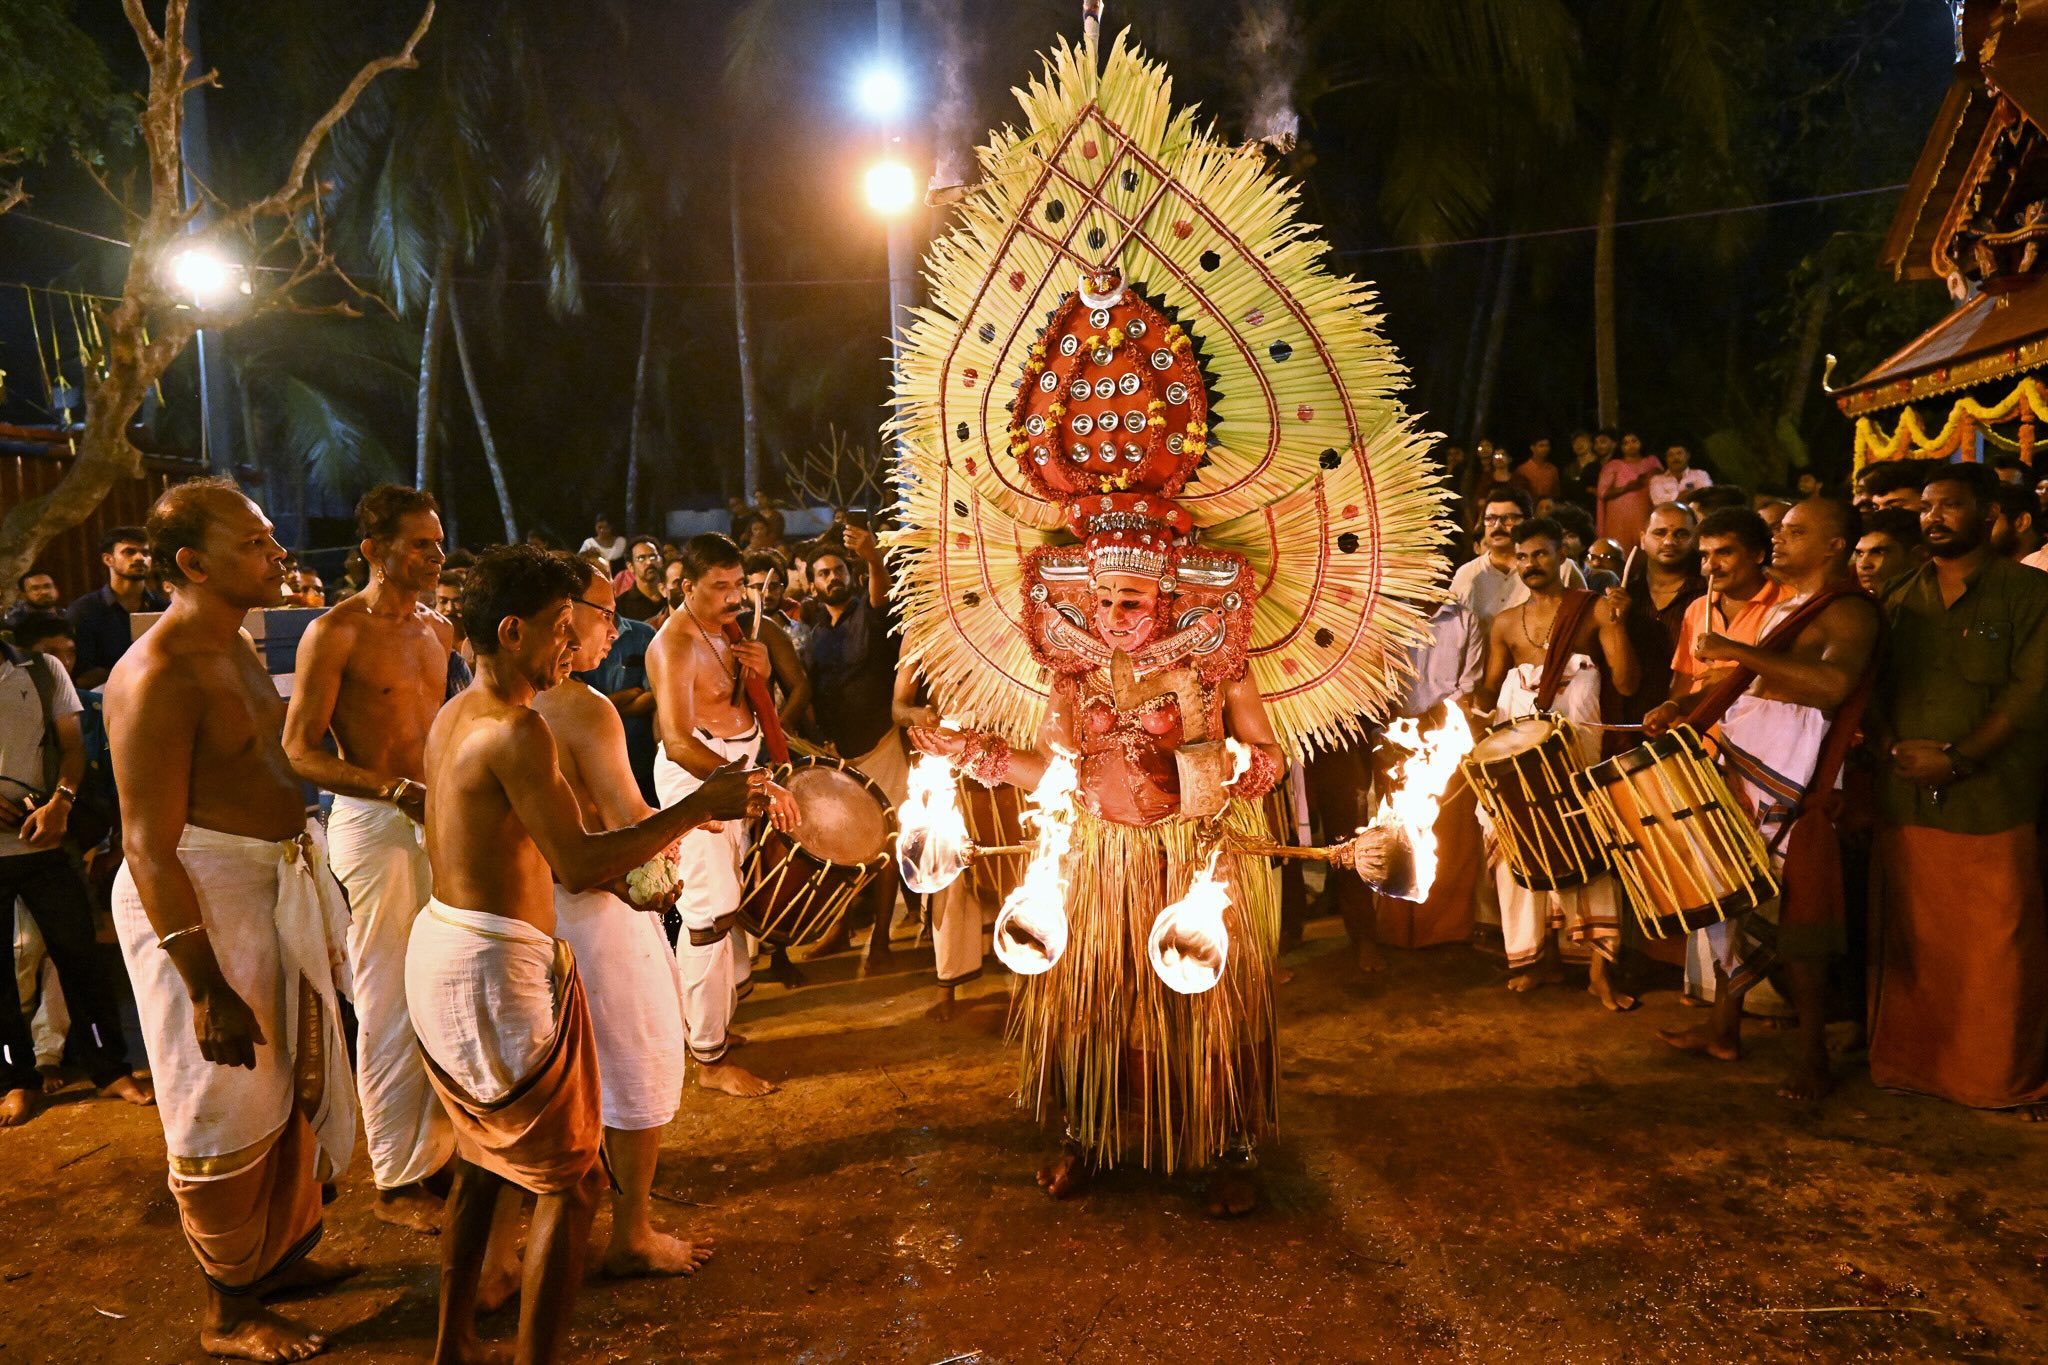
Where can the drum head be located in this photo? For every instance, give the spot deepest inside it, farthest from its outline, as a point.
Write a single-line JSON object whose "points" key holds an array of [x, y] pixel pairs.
{"points": [[842, 821], [1512, 737]]}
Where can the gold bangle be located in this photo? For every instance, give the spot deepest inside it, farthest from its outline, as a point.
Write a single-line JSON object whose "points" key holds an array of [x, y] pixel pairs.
{"points": [[172, 937]]}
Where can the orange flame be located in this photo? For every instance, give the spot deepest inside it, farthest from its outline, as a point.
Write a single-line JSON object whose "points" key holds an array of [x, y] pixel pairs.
{"points": [[1410, 809], [931, 845], [1189, 942], [1031, 930]]}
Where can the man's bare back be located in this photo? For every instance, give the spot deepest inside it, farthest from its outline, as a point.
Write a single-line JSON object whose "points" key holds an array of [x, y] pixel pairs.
{"points": [[176, 682]]}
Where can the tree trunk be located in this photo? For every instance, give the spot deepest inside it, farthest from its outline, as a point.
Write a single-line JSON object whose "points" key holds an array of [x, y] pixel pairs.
{"points": [[750, 394], [1798, 383], [1496, 334], [1606, 367], [483, 425], [424, 472], [639, 408], [1475, 333]]}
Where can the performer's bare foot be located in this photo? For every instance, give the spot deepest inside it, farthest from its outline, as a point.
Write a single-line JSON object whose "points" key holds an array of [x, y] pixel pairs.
{"points": [[657, 1254], [944, 1008], [496, 1287], [2032, 1113], [1542, 974], [1706, 1040], [784, 971], [733, 1079], [474, 1352], [308, 1273], [409, 1206], [733, 1040], [1602, 988], [130, 1089], [1369, 957], [838, 941], [1810, 1080], [17, 1107], [1282, 975], [1693, 1002], [1066, 1175], [1231, 1194], [253, 1332], [53, 1079]]}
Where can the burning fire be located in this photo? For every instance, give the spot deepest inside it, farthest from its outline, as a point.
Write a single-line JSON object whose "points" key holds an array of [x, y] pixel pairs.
{"points": [[1031, 931], [1409, 811], [931, 847], [1189, 941]]}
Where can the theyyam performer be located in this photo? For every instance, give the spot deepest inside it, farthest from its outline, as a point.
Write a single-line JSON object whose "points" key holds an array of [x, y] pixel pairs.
{"points": [[231, 926], [1163, 511]]}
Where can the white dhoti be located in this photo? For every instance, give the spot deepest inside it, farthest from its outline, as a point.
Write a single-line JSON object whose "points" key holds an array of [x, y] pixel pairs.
{"points": [[711, 950], [1588, 914], [377, 854], [481, 990], [959, 915], [634, 985], [277, 923], [1768, 752]]}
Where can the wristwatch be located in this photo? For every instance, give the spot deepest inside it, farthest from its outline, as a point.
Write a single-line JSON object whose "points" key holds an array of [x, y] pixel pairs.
{"points": [[1959, 763]]}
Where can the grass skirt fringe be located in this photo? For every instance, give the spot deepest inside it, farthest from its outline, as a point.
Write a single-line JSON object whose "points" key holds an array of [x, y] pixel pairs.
{"points": [[1107, 1044]]}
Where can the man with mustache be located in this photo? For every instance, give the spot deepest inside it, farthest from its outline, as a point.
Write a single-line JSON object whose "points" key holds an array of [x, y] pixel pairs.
{"points": [[1540, 660], [1960, 722]]}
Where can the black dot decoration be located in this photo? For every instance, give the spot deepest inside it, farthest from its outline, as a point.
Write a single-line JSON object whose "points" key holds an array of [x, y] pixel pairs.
{"points": [[1055, 212], [1097, 239], [1348, 542], [1325, 638], [1211, 261], [987, 332], [972, 599], [959, 508], [1329, 459], [961, 432], [1130, 182], [1279, 350]]}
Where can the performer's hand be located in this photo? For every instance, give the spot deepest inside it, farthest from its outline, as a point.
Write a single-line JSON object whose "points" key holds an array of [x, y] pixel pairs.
{"points": [[46, 824], [861, 541], [946, 744], [1661, 718], [1713, 649], [12, 813], [1922, 761], [413, 801], [782, 807], [734, 792], [228, 1033], [1613, 608], [752, 656]]}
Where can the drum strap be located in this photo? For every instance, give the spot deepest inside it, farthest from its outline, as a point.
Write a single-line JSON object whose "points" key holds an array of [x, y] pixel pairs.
{"points": [[1564, 629], [720, 927]]}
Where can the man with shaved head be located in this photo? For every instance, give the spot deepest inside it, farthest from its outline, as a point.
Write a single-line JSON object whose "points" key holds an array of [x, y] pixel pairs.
{"points": [[231, 925], [1784, 720]]}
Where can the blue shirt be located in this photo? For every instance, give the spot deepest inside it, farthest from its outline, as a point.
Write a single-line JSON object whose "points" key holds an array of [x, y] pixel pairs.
{"points": [[624, 669], [101, 623]]}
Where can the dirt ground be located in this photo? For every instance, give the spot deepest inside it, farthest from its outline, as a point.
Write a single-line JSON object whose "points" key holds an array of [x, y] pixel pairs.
{"points": [[1462, 1175]]}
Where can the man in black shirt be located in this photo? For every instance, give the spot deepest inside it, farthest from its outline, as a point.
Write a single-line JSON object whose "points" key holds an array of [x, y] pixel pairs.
{"points": [[851, 659], [647, 599], [101, 617]]}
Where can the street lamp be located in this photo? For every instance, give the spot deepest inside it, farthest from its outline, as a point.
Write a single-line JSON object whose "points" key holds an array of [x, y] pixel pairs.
{"points": [[881, 92], [890, 187]]}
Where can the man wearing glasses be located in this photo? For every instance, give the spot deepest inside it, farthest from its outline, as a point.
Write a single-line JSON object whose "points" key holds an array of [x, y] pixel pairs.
{"points": [[1489, 584], [646, 598]]}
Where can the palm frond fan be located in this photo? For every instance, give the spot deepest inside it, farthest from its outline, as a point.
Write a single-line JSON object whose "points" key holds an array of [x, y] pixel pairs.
{"points": [[1309, 466]]}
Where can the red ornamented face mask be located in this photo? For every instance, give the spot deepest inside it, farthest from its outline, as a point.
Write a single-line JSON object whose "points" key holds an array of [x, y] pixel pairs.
{"points": [[1126, 612]]}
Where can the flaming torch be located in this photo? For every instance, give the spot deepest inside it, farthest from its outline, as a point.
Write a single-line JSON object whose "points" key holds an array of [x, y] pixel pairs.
{"points": [[1405, 822], [1189, 942], [1031, 930], [931, 847]]}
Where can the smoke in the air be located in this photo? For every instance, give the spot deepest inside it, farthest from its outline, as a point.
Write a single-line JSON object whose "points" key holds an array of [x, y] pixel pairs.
{"points": [[1270, 49]]}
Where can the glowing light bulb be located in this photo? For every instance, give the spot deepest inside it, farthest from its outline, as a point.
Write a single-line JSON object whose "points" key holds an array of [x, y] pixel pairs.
{"points": [[890, 187]]}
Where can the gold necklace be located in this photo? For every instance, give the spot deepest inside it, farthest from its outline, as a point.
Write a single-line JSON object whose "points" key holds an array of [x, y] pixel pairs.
{"points": [[731, 673]]}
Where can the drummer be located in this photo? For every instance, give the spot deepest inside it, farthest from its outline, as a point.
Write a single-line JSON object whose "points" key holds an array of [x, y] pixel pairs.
{"points": [[703, 721], [1541, 658], [1782, 735]]}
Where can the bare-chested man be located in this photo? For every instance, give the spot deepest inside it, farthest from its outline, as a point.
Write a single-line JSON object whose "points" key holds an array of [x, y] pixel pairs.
{"points": [[636, 1003], [1539, 658], [1783, 736], [496, 998], [373, 672], [231, 926], [703, 721]]}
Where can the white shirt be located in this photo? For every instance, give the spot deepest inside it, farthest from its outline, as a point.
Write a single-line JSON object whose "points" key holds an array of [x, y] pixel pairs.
{"points": [[1671, 487], [1449, 665], [615, 551], [21, 735], [1486, 592]]}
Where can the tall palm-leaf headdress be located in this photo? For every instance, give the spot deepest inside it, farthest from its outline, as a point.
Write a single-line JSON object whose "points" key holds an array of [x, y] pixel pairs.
{"points": [[1255, 413]]}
